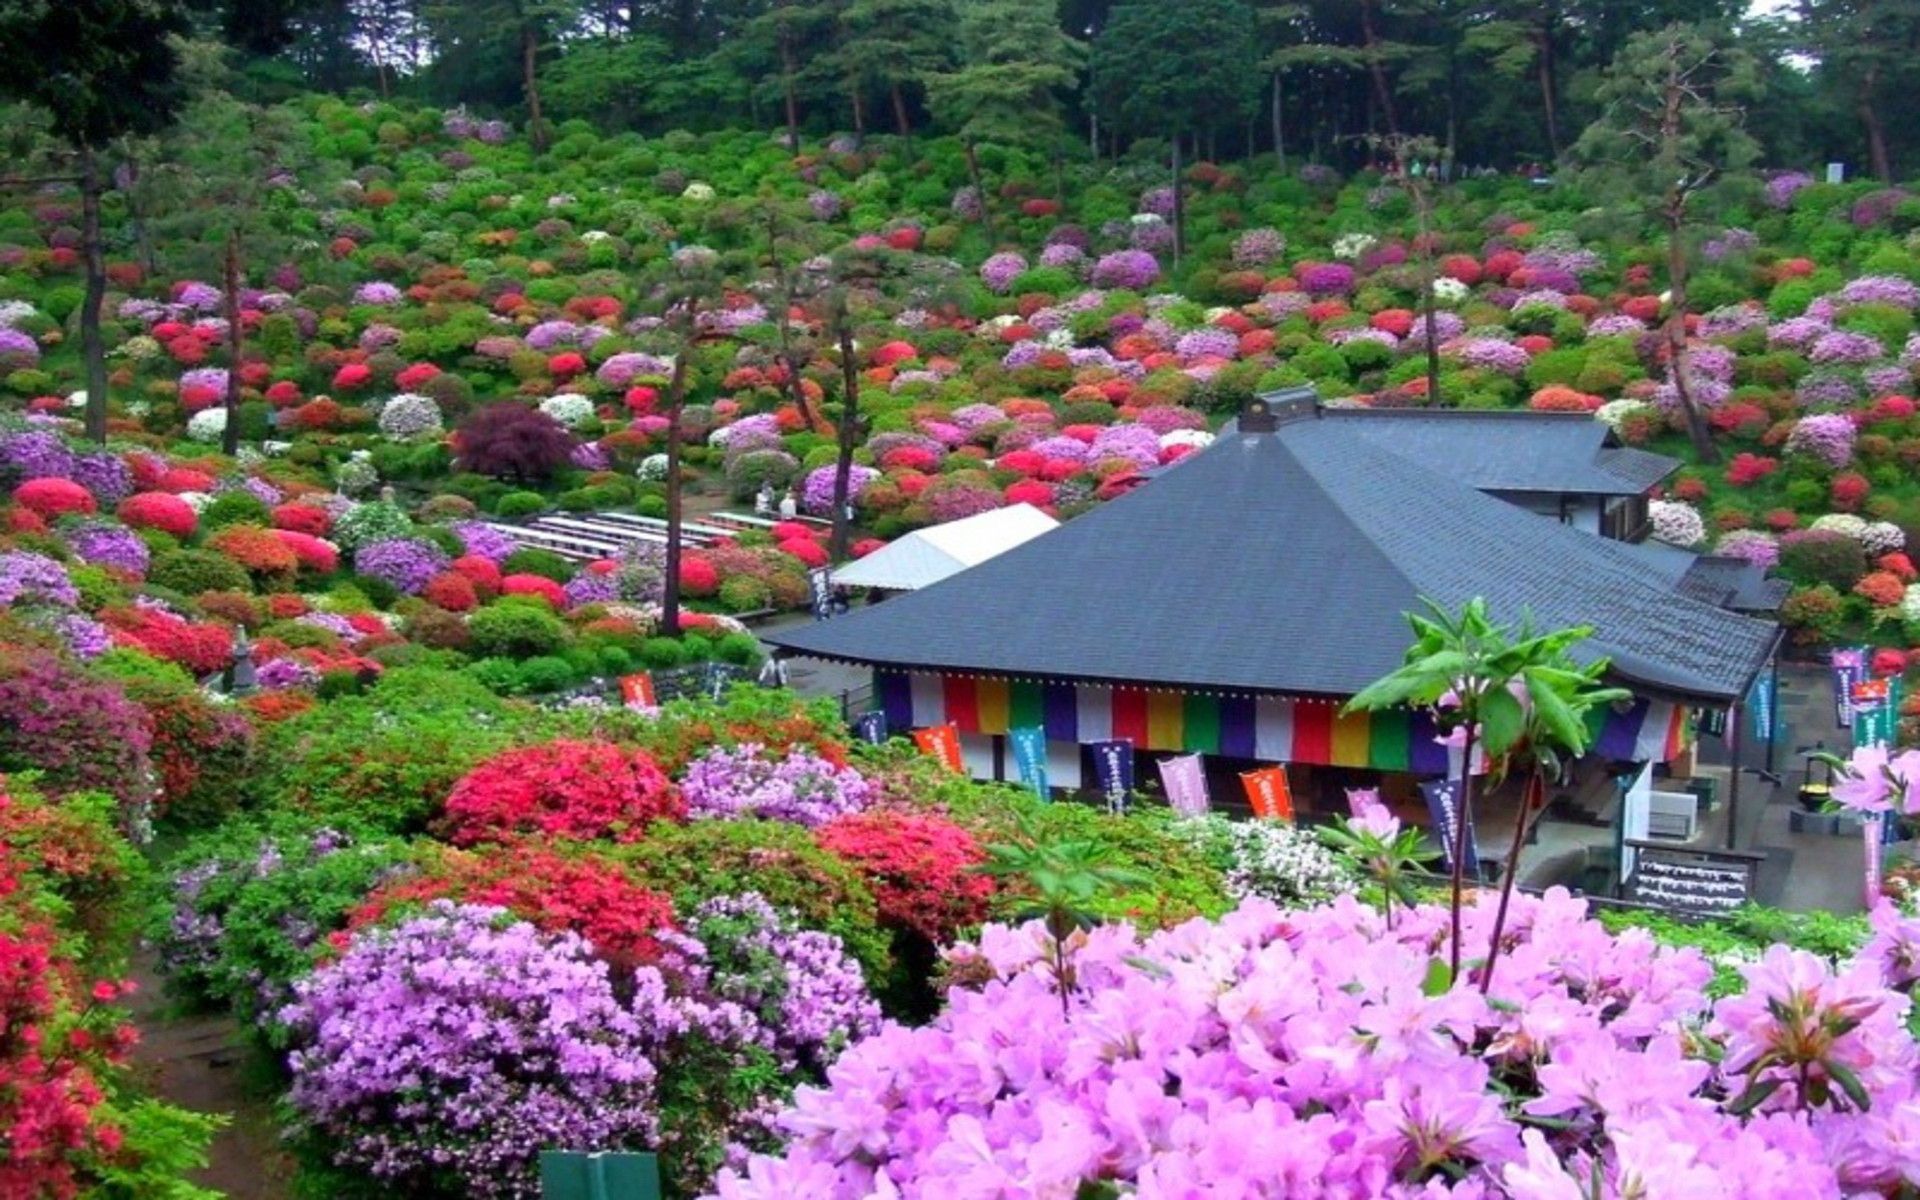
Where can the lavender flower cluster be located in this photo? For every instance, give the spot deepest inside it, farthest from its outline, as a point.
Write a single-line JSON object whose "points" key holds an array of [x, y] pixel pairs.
{"points": [[107, 544], [485, 541], [1825, 437], [816, 494], [462, 1042], [745, 781], [30, 578], [1130, 270], [1000, 270], [405, 564]]}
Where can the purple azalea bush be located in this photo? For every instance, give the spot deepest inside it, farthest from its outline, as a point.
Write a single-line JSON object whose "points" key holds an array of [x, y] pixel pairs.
{"points": [[458, 1044], [404, 564], [745, 781], [1312, 1054]]}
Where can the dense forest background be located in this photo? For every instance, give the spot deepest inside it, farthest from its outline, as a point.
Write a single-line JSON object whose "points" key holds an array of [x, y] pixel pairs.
{"points": [[1497, 83]]}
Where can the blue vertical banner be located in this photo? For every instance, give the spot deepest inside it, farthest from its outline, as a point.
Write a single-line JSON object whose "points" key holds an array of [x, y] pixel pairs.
{"points": [[1762, 703], [1849, 667], [1030, 756], [1443, 805], [1113, 770], [871, 727], [820, 593]]}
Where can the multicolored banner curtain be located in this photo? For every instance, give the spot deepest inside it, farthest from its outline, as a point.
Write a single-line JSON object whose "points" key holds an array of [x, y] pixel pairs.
{"points": [[1030, 758], [1269, 793], [943, 743], [1273, 728], [1185, 778]]}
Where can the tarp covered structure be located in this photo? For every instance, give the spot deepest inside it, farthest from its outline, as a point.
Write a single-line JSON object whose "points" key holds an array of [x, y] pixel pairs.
{"points": [[927, 556]]}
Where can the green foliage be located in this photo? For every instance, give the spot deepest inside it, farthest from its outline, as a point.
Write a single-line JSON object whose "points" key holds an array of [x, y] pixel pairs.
{"points": [[191, 572], [385, 760], [516, 630]]}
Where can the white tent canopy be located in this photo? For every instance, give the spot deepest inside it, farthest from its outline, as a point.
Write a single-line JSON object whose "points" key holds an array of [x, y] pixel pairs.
{"points": [[929, 555]]}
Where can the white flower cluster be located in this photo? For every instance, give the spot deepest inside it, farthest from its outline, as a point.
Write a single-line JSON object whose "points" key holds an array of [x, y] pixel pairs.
{"points": [[1615, 412], [409, 415], [1447, 290], [1883, 537], [1854, 527], [698, 191], [1910, 603], [1199, 439], [1677, 524], [207, 425], [356, 477], [12, 312], [1350, 246], [652, 468], [569, 408], [1283, 863]]}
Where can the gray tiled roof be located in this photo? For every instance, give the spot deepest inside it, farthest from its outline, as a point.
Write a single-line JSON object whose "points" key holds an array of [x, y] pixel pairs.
{"points": [[1512, 451], [1285, 562]]}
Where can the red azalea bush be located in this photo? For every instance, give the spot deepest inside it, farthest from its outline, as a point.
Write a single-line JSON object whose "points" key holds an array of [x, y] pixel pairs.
{"points": [[159, 510], [1747, 469], [54, 498], [260, 552], [1882, 589], [59, 1045], [593, 897], [201, 649], [312, 553], [921, 867], [452, 591], [309, 519], [481, 572], [698, 576], [561, 789], [185, 479], [808, 551], [535, 585], [1848, 490]]}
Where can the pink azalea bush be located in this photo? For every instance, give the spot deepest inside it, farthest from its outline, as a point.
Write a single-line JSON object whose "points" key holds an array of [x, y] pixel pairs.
{"points": [[1316, 1054]]}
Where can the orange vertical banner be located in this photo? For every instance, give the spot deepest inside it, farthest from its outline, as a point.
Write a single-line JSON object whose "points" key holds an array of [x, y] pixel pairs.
{"points": [[1269, 793], [943, 743], [636, 692]]}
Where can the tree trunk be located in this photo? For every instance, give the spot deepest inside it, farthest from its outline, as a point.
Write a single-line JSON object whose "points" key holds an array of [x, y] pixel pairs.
{"points": [[1377, 70], [849, 432], [900, 121], [676, 400], [1179, 206], [530, 82], [92, 347], [792, 101], [1093, 135], [1876, 130], [142, 235], [1697, 431], [1279, 126], [1548, 104], [236, 345], [1420, 208], [859, 108], [980, 190]]}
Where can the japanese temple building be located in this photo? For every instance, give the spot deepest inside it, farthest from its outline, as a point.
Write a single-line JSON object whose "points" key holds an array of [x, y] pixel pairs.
{"points": [[1234, 603]]}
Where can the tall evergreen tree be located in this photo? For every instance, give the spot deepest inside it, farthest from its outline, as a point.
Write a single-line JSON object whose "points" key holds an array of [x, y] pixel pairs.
{"points": [[899, 45], [1159, 69], [101, 70], [1670, 126], [1015, 60]]}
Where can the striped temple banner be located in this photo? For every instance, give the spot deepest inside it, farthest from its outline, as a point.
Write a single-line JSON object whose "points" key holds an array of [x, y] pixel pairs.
{"points": [[1272, 728]]}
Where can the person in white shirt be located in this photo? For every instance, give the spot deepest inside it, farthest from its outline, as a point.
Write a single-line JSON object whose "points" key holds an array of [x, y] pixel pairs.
{"points": [[789, 507]]}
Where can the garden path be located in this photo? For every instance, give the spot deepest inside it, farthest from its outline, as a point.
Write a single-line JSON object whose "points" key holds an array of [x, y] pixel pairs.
{"points": [[201, 1063]]}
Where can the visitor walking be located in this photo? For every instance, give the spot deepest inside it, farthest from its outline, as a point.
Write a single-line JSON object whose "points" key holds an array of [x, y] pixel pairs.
{"points": [[789, 507], [763, 502]]}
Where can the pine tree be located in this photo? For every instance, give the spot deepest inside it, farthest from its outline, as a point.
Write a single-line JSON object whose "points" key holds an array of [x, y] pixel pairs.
{"points": [[1671, 124]]}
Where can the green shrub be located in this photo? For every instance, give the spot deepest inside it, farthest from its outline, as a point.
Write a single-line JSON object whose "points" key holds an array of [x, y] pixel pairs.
{"points": [[235, 508], [533, 561], [191, 572], [520, 504], [385, 759], [516, 631]]}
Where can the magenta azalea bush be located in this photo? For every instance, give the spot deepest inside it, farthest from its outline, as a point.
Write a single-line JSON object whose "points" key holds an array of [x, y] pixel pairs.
{"points": [[1323, 1054]]}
